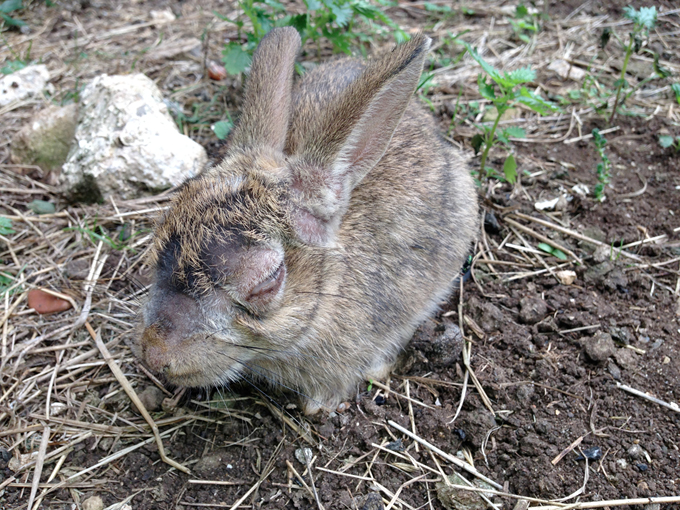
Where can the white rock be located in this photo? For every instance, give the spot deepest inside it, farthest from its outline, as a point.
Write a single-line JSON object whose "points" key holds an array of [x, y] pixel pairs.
{"points": [[23, 84], [127, 141], [566, 277], [565, 70]]}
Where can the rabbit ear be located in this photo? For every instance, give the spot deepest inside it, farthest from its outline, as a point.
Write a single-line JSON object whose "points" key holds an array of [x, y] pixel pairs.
{"points": [[352, 136], [266, 108]]}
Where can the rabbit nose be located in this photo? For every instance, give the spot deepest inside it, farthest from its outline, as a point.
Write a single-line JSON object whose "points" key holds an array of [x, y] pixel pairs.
{"points": [[155, 349]]}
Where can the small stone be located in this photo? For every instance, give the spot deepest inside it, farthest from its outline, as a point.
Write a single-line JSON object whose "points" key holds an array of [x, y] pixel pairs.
{"points": [[126, 142], [621, 464], [595, 274], [566, 277], [599, 347], [602, 253], [209, 463], [615, 280], [216, 71], [93, 503], [371, 501], [24, 83], [593, 453], [46, 139], [304, 455], [532, 310], [152, 398], [454, 499], [635, 452], [625, 358], [614, 371], [45, 303]]}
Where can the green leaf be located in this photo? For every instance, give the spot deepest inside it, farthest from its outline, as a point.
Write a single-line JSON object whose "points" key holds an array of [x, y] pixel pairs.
{"points": [[599, 140], [436, 8], [521, 75], [666, 141], [536, 102], [510, 169], [486, 89], [313, 5], [559, 254], [500, 135], [400, 36], [646, 17], [235, 59], [342, 12], [477, 142], [12, 21], [660, 70], [675, 87], [521, 11], [6, 226], [491, 71], [222, 128], [552, 251], [277, 6], [42, 207], [10, 5], [515, 132], [300, 22], [12, 66], [605, 36]]}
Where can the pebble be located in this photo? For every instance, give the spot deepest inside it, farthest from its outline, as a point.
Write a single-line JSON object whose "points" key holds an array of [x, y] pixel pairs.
{"points": [[152, 398], [45, 303], [532, 310], [599, 347], [635, 451], [93, 503]]}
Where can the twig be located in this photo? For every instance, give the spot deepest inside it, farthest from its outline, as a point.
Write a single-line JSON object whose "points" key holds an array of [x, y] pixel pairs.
{"points": [[463, 465], [672, 406], [127, 387], [39, 465]]}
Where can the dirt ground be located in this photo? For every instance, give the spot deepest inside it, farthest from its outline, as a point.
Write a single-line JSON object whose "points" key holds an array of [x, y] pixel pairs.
{"points": [[550, 357]]}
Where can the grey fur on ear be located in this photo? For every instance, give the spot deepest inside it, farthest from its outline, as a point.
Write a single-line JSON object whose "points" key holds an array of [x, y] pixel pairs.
{"points": [[266, 109], [352, 138]]}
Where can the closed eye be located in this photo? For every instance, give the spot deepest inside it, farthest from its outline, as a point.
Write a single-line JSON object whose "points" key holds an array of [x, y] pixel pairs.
{"points": [[270, 286]]}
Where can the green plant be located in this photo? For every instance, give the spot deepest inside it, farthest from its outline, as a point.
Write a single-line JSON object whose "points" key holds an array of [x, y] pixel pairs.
{"points": [[10, 6], [6, 226], [507, 92], [334, 20], [603, 168], [18, 62], [524, 24], [675, 87], [552, 251], [222, 128], [119, 241], [670, 141], [643, 20]]}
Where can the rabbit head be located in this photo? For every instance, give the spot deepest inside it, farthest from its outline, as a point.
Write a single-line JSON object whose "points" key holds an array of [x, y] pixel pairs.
{"points": [[305, 258]]}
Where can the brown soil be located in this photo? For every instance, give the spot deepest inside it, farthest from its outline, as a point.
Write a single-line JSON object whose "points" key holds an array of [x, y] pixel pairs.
{"points": [[548, 386]]}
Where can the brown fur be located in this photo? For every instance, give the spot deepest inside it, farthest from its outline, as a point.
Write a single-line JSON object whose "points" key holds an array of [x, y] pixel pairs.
{"points": [[337, 223]]}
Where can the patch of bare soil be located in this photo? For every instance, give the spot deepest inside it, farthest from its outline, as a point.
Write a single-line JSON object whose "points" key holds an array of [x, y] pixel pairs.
{"points": [[547, 359]]}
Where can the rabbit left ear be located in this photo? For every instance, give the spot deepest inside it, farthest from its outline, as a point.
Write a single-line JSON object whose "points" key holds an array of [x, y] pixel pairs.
{"points": [[351, 138], [266, 108]]}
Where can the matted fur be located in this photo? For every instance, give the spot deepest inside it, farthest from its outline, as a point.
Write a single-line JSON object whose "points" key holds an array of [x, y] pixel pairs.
{"points": [[337, 222]]}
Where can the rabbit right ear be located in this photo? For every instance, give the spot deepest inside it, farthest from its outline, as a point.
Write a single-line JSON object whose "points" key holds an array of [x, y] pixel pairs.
{"points": [[350, 138], [266, 109]]}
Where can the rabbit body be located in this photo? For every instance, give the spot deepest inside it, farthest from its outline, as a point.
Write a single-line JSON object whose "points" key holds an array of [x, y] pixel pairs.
{"points": [[336, 224]]}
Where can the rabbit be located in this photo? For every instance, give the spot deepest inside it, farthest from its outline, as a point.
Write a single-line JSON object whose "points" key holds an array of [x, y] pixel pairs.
{"points": [[336, 223]]}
